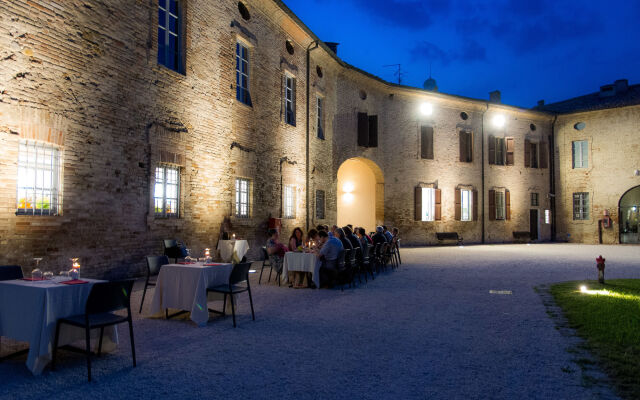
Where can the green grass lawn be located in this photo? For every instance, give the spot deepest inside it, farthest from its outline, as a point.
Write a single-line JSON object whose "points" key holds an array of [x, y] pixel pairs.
{"points": [[608, 318]]}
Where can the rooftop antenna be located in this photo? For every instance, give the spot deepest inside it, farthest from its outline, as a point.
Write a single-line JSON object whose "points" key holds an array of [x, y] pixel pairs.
{"points": [[398, 73]]}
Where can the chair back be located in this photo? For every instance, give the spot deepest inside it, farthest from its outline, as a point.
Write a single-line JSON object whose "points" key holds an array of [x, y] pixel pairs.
{"points": [[109, 296], [173, 249], [365, 252], [265, 255], [10, 272], [169, 243], [376, 251], [352, 255], [239, 273], [341, 257], [154, 263]]}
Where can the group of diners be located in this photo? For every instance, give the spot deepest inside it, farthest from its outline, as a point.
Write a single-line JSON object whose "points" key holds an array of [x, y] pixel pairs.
{"points": [[337, 249]]}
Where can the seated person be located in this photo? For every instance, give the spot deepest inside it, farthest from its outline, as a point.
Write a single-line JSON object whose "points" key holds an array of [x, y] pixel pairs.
{"points": [[353, 239], [295, 240], [312, 238], [379, 237], [363, 237], [274, 247], [387, 234], [339, 233], [396, 235], [328, 256]]}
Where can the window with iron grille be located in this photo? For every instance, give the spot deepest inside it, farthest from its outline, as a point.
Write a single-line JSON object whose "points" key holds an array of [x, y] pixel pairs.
{"points": [[535, 199], [242, 74], [169, 35], [581, 206], [320, 118], [243, 187], [166, 192], [319, 204], [39, 176], [290, 99], [289, 201]]}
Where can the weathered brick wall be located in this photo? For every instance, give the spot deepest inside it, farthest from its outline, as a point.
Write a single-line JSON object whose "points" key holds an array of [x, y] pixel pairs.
{"points": [[613, 159]]}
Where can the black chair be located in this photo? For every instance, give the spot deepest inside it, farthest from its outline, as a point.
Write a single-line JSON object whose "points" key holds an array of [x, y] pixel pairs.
{"points": [[266, 262], [9, 273], [397, 251], [238, 283], [104, 299], [153, 269], [173, 249]]}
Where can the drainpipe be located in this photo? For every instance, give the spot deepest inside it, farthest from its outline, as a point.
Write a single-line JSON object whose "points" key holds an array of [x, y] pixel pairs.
{"points": [[552, 178], [312, 46], [483, 191]]}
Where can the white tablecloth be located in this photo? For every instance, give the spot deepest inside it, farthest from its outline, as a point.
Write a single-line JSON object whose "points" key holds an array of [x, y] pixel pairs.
{"points": [[227, 248], [29, 312], [184, 287], [303, 262]]}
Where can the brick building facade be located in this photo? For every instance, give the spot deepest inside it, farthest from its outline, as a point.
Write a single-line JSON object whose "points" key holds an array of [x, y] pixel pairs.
{"points": [[239, 113]]}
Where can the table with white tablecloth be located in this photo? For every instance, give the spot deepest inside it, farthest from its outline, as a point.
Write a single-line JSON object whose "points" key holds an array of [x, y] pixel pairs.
{"points": [[229, 248], [184, 287], [302, 262], [29, 311]]}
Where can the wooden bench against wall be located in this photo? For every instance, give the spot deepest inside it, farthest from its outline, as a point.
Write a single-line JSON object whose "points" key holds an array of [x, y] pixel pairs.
{"points": [[452, 236], [522, 236]]}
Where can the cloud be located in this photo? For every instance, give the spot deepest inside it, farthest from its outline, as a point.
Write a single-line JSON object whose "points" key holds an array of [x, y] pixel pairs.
{"points": [[412, 14], [470, 51]]}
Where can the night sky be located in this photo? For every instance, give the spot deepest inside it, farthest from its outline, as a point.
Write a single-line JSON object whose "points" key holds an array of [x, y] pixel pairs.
{"points": [[527, 49]]}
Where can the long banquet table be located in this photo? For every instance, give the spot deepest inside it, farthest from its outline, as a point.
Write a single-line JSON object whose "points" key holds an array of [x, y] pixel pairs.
{"points": [[302, 262], [184, 287], [29, 311]]}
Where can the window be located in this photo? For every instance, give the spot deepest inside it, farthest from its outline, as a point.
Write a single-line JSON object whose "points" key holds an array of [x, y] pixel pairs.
{"points": [[289, 201], [426, 142], [428, 204], [242, 198], [535, 199], [580, 206], [580, 154], [166, 193], [501, 150], [169, 35], [319, 204], [547, 217], [290, 100], [533, 157], [320, 110], [498, 151], [466, 146], [242, 74], [367, 130], [466, 198], [39, 173], [500, 205]]}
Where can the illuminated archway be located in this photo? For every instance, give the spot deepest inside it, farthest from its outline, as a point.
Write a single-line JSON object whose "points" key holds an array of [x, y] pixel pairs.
{"points": [[360, 194], [629, 216]]}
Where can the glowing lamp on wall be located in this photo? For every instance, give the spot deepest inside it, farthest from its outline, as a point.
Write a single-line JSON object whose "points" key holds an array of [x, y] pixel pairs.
{"points": [[348, 189], [498, 121], [426, 109]]}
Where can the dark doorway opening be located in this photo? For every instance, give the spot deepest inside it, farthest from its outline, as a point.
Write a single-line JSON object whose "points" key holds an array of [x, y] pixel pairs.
{"points": [[533, 224]]}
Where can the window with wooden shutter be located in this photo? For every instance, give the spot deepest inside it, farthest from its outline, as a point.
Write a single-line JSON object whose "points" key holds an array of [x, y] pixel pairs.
{"points": [[510, 147], [458, 211], [363, 129], [544, 155], [507, 205], [475, 200], [418, 204], [426, 142], [466, 146], [373, 131], [438, 204], [466, 200], [527, 153], [492, 150], [500, 147], [492, 205], [534, 155]]}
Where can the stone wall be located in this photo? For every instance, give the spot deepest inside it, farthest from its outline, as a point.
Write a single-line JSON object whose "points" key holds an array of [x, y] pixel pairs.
{"points": [[613, 159]]}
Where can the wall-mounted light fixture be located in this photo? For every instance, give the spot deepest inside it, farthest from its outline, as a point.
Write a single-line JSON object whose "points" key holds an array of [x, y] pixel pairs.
{"points": [[426, 109], [498, 121]]}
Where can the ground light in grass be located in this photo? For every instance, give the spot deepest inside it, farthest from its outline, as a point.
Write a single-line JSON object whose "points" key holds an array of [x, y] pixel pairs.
{"points": [[608, 318]]}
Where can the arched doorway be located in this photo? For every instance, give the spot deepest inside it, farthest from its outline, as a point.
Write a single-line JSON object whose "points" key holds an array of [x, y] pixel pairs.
{"points": [[629, 216], [360, 194]]}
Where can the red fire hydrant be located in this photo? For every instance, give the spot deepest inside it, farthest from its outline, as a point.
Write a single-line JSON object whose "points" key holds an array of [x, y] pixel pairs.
{"points": [[600, 262]]}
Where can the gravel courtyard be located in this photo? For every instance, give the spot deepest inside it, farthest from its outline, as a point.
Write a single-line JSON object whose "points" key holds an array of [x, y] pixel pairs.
{"points": [[430, 330]]}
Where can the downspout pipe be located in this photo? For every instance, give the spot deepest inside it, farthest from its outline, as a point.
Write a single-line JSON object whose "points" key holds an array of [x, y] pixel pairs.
{"points": [[482, 169], [312, 46]]}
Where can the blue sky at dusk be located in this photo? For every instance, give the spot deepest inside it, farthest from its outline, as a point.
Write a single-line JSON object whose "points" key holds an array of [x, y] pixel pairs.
{"points": [[529, 50]]}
